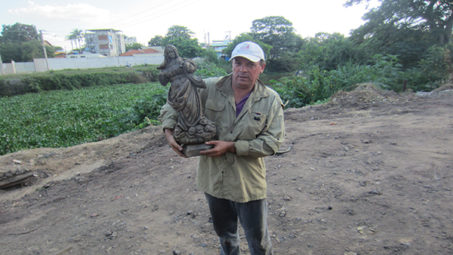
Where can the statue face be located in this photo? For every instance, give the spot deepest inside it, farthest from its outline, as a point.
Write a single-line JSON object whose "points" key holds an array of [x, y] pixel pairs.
{"points": [[246, 72], [170, 52]]}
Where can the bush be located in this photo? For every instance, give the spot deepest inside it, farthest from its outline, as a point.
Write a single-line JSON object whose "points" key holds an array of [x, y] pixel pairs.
{"points": [[293, 91], [431, 70], [318, 85], [207, 69], [74, 79]]}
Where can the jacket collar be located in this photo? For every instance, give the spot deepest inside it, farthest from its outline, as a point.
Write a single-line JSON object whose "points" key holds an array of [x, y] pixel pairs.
{"points": [[224, 86]]}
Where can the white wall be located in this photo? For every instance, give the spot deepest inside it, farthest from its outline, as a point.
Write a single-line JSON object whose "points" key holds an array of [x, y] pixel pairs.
{"points": [[40, 65]]}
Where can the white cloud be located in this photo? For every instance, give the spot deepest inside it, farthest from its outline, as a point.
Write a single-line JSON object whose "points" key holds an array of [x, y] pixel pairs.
{"points": [[81, 12]]}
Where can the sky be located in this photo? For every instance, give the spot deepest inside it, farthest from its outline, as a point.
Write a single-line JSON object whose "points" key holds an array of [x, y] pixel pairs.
{"points": [[145, 19]]}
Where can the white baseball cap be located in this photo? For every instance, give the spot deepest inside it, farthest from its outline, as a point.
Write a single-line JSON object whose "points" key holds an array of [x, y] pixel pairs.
{"points": [[248, 50]]}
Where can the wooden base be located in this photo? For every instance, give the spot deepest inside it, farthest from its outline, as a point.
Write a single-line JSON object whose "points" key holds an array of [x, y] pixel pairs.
{"points": [[193, 150]]}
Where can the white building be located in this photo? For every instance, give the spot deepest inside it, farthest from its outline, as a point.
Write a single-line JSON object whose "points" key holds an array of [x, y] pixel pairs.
{"points": [[107, 42]]}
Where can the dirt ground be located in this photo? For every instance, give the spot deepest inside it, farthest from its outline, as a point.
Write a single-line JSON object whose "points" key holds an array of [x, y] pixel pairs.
{"points": [[370, 172]]}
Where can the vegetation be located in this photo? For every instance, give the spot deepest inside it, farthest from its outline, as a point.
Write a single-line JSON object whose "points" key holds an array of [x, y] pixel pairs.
{"points": [[75, 79], [404, 44], [76, 37], [181, 38], [21, 43], [64, 118], [134, 46]]}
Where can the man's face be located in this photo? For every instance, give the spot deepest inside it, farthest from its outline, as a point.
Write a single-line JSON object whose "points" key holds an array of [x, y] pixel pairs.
{"points": [[246, 72]]}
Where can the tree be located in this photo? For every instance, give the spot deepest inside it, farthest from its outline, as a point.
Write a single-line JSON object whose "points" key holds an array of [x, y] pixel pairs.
{"points": [[76, 36], [18, 33], [134, 46], [434, 16], [246, 37], [276, 31], [417, 32], [179, 32], [404, 28], [279, 33], [21, 43], [329, 51], [157, 40], [181, 38]]}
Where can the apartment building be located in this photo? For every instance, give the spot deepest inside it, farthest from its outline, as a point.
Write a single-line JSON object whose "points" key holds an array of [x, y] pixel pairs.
{"points": [[107, 42]]}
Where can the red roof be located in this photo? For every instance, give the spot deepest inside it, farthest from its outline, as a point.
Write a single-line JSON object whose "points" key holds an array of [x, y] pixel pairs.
{"points": [[142, 51]]}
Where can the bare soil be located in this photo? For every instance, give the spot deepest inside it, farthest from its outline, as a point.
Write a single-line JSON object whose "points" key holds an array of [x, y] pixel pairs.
{"points": [[370, 172]]}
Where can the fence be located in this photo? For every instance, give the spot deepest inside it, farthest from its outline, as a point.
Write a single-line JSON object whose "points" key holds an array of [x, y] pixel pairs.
{"points": [[41, 65]]}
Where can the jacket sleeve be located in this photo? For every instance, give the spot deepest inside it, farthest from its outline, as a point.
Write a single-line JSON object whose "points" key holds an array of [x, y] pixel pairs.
{"points": [[269, 140], [168, 117]]}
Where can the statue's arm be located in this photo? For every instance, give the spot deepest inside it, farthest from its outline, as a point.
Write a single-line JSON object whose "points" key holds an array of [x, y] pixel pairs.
{"points": [[189, 66]]}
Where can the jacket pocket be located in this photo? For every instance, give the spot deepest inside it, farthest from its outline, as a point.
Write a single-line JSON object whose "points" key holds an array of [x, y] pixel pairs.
{"points": [[254, 124], [214, 110]]}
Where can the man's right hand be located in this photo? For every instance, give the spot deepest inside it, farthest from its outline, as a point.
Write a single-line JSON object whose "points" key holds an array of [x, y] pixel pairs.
{"points": [[172, 142]]}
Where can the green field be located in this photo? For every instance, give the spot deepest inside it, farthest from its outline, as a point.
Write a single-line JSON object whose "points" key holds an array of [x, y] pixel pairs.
{"points": [[63, 118]]}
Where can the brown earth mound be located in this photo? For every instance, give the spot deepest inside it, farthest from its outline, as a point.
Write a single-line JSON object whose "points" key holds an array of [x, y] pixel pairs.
{"points": [[366, 95]]}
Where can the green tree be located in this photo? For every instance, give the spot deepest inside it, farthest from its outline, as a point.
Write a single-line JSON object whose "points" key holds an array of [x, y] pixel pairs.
{"points": [[329, 51], [434, 16], [279, 33], [178, 32], [405, 28], [21, 43], [157, 40], [134, 46], [76, 37], [18, 33], [181, 38], [246, 37]]}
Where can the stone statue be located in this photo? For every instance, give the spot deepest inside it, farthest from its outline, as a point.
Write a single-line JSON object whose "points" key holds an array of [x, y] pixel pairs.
{"points": [[192, 128]]}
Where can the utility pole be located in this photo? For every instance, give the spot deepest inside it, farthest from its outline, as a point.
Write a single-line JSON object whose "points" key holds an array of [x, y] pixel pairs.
{"points": [[44, 49], [1, 65]]}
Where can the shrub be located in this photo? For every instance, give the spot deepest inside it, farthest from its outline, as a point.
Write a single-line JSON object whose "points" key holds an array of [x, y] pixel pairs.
{"points": [[207, 69], [74, 79], [431, 70]]}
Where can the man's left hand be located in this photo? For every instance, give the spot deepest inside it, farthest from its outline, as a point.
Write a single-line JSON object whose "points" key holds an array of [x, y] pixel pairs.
{"points": [[220, 148]]}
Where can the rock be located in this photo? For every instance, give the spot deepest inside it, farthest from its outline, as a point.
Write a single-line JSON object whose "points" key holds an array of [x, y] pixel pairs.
{"points": [[286, 197]]}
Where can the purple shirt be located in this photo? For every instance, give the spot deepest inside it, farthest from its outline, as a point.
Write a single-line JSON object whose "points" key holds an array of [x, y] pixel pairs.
{"points": [[241, 104]]}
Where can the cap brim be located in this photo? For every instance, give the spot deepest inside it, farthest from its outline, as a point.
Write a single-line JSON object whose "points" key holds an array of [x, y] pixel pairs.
{"points": [[249, 57]]}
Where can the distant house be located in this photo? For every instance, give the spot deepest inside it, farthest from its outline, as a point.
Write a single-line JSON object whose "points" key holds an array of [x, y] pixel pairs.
{"points": [[219, 46], [85, 55], [130, 40], [141, 52], [107, 42], [59, 54]]}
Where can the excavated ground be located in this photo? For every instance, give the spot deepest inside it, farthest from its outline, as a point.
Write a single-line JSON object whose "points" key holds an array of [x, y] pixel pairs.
{"points": [[370, 172]]}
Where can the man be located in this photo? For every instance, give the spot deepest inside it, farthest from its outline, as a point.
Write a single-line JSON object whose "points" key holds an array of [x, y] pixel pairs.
{"points": [[250, 125]]}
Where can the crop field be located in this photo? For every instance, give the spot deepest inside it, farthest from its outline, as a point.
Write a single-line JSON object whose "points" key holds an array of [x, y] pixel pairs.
{"points": [[63, 118]]}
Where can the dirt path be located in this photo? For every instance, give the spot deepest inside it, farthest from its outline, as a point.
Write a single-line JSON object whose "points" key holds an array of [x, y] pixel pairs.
{"points": [[369, 173]]}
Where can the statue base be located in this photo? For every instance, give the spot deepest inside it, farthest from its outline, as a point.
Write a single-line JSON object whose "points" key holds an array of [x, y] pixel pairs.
{"points": [[193, 150]]}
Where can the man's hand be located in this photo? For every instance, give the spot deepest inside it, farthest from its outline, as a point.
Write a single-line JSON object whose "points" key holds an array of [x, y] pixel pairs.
{"points": [[220, 148], [172, 142]]}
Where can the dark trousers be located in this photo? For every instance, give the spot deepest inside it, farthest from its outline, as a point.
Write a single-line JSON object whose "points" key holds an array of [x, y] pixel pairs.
{"points": [[253, 218]]}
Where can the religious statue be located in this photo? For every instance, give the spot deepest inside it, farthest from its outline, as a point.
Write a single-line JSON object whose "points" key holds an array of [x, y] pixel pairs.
{"points": [[192, 128]]}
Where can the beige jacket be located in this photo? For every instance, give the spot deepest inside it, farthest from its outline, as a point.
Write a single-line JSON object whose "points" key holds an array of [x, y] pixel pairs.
{"points": [[258, 131]]}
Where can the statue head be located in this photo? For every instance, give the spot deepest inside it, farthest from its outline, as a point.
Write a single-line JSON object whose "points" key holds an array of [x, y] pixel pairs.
{"points": [[171, 52]]}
